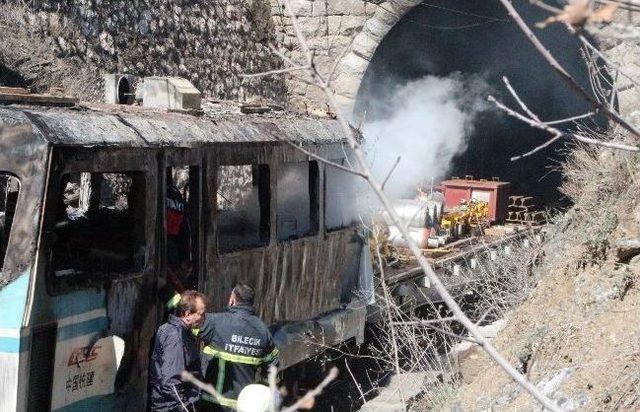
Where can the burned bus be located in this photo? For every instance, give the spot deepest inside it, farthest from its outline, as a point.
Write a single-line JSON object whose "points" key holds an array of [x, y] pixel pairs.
{"points": [[84, 243]]}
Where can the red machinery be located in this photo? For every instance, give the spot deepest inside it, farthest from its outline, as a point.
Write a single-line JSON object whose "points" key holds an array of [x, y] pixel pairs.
{"points": [[496, 193]]}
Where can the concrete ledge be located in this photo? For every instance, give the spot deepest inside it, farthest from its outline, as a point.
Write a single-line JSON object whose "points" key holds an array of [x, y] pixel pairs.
{"points": [[173, 93]]}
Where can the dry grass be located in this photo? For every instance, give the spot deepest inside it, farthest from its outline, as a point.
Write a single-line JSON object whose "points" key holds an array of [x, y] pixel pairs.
{"points": [[502, 283]]}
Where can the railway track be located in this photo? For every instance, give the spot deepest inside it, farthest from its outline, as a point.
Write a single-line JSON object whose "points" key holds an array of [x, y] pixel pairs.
{"points": [[408, 280]]}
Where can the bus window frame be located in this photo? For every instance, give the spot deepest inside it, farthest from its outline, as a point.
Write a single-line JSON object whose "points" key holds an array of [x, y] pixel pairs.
{"points": [[104, 160], [315, 181], [265, 233], [325, 200]]}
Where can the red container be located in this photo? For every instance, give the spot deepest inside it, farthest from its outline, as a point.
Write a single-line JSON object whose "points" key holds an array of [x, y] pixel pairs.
{"points": [[496, 193]]}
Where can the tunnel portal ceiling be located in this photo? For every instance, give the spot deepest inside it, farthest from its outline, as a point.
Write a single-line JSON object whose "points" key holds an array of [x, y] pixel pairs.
{"points": [[477, 43]]}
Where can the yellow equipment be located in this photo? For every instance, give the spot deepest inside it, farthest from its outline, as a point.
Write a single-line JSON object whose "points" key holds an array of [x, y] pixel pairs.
{"points": [[470, 215]]}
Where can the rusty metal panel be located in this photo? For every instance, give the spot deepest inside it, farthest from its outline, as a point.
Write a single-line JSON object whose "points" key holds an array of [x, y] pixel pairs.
{"points": [[24, 153], [294, 280], [72, 128], [127, 127]]}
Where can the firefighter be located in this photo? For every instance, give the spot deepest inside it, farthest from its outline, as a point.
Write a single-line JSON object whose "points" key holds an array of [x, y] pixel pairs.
{"points": [[179, 266], [238, 349]]}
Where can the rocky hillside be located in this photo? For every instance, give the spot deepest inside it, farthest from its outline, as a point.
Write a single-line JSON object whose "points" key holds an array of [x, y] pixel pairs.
{"points": [[578, 336]]}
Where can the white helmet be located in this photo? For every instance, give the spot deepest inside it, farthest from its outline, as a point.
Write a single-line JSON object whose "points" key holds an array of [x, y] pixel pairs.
{"points": [[254, 398]]}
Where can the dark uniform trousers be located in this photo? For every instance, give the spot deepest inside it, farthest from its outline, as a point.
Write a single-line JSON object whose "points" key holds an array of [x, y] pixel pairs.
{"points": [[238, 349]]}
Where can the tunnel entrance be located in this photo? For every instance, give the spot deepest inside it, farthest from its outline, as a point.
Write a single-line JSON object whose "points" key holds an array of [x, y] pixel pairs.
{"points": [[477, 43]]}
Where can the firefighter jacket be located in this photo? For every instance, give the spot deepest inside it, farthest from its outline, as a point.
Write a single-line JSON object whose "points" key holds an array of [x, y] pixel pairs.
{"points": [[175, 349], [238, 349]]}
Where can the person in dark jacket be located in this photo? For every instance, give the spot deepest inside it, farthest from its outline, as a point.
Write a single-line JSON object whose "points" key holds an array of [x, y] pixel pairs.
{"points": [[238, 349], [176, 349]]}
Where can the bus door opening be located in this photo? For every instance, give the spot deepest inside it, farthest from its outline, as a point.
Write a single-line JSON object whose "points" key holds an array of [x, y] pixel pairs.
{"points": [[181, 228]]}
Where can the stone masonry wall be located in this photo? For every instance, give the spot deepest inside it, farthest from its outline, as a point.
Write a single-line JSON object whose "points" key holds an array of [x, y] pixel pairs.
{"points": [[212, 42], [208, 42], [344, 35]]}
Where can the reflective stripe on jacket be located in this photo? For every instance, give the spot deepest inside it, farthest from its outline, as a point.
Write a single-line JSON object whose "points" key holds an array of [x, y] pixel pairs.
{"points": [[238, 350]]}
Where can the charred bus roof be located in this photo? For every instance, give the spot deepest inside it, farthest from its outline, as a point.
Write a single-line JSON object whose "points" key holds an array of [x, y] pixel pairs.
{"points": [[133, 126]]}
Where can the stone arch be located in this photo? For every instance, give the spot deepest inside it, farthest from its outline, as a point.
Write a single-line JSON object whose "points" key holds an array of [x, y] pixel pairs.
{"points": [[355, 61], [344, 34]]}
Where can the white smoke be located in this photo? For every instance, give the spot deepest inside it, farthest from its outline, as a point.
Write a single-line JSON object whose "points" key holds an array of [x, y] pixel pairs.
{"points": [[426, 122]]}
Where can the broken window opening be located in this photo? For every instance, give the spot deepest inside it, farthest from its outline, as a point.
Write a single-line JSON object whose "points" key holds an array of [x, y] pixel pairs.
{"points": [[9, 190], [181, 223], [242, 199], [297, 214], [99, 228], [340, 194]]}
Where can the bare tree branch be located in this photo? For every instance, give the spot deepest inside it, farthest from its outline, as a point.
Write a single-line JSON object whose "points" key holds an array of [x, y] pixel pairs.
{"points": [[387, 300], [537, 148], [533, 115], [384, 182], [571, 119], [310, 396], [273, 373], [601, 55], [425, 322], [557, 133], [188, 377], [520, 102], [394, 219], [322, 159], [613, 115], [346, 364]]}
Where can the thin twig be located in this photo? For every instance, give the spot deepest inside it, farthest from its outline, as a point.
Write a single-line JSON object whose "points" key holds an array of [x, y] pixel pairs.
{"points": [[384, 182], [604, 58], [518, 99], [563, 73], [614, 90], [555, 132], [387, 298], [322, 159], [273, 373], [283, 56], [484, 315], [188, 377], [425, 322], [346, 364], [179, 398], [537, 148], [312, 394], [571, 119]]}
